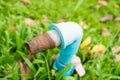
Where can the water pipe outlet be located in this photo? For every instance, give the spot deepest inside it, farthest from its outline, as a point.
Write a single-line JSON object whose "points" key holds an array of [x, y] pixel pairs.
{"points": [[67, 36]]}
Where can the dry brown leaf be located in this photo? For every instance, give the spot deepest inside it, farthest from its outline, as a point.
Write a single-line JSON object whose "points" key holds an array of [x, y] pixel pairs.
{"points": [[117, 18], [30, 22], [25, 1], [106, 18], [62, 20], [54, 57], [117, 57], [102, 2], [83, 25], [98, 49], [13, 28], [45, 18], [105, 32], [116, 49], [23, 69], [86, 42]]}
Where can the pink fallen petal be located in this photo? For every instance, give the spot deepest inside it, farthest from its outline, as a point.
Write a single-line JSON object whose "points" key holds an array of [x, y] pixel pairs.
{"points": [[80, 69], [78, 66], [76, 59]]}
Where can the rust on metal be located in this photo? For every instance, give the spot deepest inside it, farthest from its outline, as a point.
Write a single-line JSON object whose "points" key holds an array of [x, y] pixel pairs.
{"points": [[40, 43], [34, 46]]}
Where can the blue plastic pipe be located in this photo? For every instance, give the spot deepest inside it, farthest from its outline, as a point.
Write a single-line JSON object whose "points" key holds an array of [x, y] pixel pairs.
{"points": [[71, 35]]}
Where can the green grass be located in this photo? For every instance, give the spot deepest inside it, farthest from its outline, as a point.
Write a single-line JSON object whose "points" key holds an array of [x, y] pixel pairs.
{"points": [[12, 42]]}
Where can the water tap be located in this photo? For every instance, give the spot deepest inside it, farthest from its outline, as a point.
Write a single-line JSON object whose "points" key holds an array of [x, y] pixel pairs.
{"points": [[67, 37]]}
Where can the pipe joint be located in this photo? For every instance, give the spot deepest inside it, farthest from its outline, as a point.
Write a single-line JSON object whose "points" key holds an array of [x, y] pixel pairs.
{"points": [[71, 35]]}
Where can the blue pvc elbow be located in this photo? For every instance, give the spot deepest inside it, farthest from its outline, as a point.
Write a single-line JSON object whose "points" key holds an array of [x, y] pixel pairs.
{"points": [[71, 36]]}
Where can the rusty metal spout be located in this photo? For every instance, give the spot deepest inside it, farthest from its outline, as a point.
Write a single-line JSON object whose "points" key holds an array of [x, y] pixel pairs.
{"points": [[43, 42], [40, 43]]}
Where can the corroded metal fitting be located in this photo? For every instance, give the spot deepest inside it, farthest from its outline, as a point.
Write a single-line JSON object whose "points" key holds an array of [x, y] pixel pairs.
{"points": [[48, 40]]}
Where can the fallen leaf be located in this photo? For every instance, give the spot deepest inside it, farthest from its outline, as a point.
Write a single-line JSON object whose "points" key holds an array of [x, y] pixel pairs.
{"points": [[25, 1], [98, 49], [30, 56], [105, 32], [62, 20], [98, 6], [117, 57], [30, 22], [106, 18], [87, 49], [116, 49], [54, 57], [83, 25], [23, 69], [117, 18], [44, 17], [86, 42], [102, 2], [13, 28], [117, 5]]}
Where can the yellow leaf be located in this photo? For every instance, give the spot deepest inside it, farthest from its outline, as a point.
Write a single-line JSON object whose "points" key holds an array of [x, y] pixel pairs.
{"points": [[98, 49], [86, 42], [83, 25], [117, 6], [98, 6]]}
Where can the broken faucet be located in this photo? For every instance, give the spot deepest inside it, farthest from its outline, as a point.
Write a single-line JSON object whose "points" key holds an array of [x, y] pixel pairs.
{"points": [[66, 36]]}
